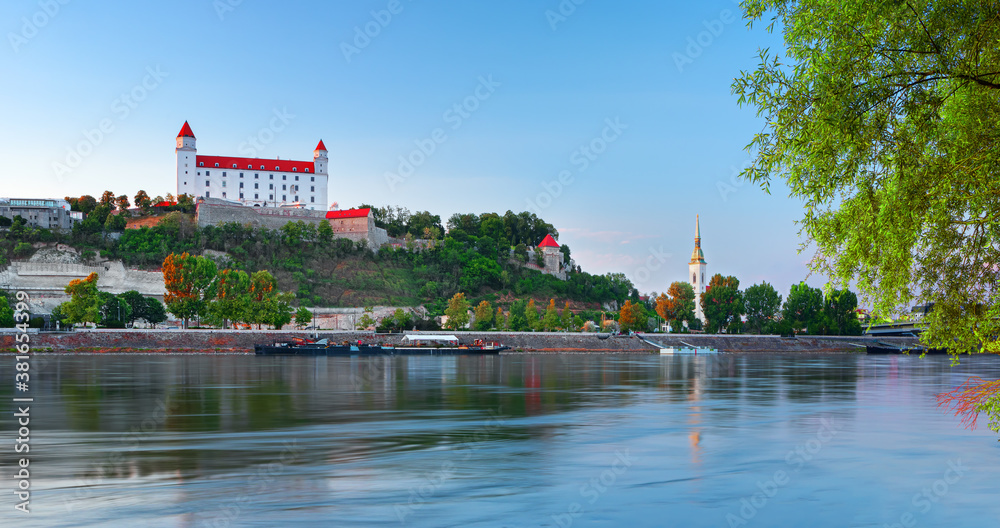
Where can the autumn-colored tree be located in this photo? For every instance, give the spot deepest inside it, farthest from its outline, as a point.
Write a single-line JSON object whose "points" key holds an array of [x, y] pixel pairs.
{"points": [[188, 280], [143, 202], [122, 203], [84, 303], [632, 317], [484, 316], [457, 312], [531, 316], [550, 321], [231, 301], [499, 321], [108, 199], [677, 305]]}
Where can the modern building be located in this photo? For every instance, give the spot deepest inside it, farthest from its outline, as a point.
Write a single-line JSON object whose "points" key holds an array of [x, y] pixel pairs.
{"points": [[43, 212], [254, 182], [698, 270]]}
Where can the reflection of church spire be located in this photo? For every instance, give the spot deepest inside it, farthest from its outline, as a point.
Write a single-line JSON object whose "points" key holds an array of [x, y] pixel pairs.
{"points": [[697, 257]]}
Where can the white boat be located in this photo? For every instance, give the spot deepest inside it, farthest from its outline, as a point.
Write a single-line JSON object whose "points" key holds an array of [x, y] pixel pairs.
{"points": [[687, 351]]}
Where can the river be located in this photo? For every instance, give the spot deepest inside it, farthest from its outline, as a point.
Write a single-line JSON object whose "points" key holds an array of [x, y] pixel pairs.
{"points": [[508, 441]]}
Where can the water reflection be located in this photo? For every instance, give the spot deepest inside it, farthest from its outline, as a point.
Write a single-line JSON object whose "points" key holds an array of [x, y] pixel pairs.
{"points": [[178, 441]]}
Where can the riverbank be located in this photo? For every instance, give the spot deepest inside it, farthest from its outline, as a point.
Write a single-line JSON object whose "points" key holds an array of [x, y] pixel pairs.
{"points": [[243, 341]]}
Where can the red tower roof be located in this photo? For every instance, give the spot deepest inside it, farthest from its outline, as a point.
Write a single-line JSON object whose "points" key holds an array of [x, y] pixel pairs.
{"points": [[186, 131], [321, 146], [548, 241]]}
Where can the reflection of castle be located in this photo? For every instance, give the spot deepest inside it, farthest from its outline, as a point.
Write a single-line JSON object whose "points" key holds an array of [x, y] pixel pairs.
{"points": [[697, 269]]}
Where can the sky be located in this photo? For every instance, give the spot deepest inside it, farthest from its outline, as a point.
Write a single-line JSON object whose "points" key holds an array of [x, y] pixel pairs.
{"points": [[613, 121]]}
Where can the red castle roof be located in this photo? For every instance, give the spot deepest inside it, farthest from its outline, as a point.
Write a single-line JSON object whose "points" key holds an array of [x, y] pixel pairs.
{"points": [[548, 241], [280, 165], [186, 131], [321, 146], [349, 213]]}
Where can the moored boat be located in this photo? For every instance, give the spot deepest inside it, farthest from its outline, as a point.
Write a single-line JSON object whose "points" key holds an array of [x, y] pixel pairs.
{"points": [[413, 345]]}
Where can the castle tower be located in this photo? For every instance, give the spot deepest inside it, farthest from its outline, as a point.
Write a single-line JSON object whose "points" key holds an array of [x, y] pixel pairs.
{"points": [[321, 163], [697, 270], [187, 155], [552, 256]]}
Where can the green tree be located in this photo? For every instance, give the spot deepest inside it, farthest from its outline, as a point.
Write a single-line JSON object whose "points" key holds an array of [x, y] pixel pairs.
{"points": [[143, 202], [803, 307], [484, 316], [113, 310], [517, 319], [136, 304], [83, 304], [155, 313], [881, 119], [457, 312], [762, 303], [303, 316], [6, 313], [840, 308], [566, 319], [531, 316], [232, 297], [367, 320], [722, 304]]}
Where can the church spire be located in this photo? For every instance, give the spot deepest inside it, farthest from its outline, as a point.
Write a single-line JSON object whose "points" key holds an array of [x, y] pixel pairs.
{"points": [[697, 257]]}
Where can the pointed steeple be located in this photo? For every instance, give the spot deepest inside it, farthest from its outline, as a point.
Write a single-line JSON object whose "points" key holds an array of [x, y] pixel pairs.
{"points": [[321, 146], [697, 257], [186, 131]]}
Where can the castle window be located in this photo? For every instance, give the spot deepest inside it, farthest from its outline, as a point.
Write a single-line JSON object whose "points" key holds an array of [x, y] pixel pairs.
{"points": [[201, 163], [208, 182], [208, 194], [284, 198], [223, 195], [223, 174], [296, 178], [256, 185], [277, 168], [270, 186], [296, 198], [216, 164], [241, 196], [295, 169], [312, 188], [207, 173], [271, 176], [284, 176], [241, 175], [284, 187], [256, 175], [256, 196], [234, 165], [261, 167], [241, 185], [694, 278], [312, 199], [312, 178], [223, 183], [307, 170], [271, 198], [249, 166]]}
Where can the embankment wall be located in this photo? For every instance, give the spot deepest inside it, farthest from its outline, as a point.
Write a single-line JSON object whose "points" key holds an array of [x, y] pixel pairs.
{"points": [[242, 341]]}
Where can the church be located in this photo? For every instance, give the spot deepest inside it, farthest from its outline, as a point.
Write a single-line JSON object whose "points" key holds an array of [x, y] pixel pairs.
{"points": [[252, 181], [697, 270]]}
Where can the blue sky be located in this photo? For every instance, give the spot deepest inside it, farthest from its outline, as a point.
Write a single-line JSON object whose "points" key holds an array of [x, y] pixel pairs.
{"points": [[536, 83]]}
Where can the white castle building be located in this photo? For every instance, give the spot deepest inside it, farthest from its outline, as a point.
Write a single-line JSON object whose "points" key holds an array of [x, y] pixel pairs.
{"points": [[697, 269], [251, 181]]}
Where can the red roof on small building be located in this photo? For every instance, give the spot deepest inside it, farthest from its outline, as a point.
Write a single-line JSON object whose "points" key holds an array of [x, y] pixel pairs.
{"points": [[227, 162], [164, 204], [349, 213], [186, 131], [321, 146], [548, 241]]}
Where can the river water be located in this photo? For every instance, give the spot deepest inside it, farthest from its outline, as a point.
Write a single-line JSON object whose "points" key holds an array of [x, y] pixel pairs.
{"points": [[559, 441]]}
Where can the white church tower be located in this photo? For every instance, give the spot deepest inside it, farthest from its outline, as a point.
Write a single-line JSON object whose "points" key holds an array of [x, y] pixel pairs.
{"points": [[697, 269], [187, 156], [320, 165]]}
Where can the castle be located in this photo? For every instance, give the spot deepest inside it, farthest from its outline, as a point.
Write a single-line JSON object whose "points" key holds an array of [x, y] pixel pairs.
{"points": [[251, 181], [697, 268]]}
